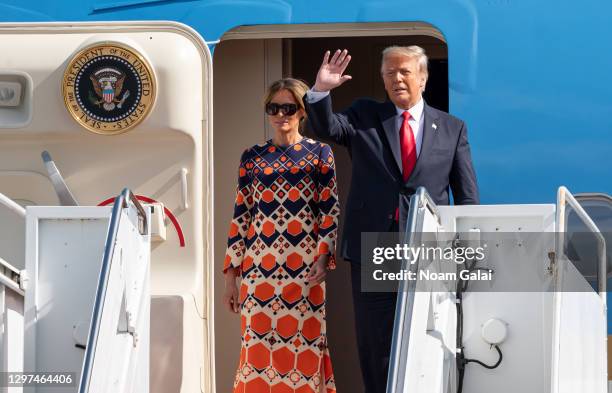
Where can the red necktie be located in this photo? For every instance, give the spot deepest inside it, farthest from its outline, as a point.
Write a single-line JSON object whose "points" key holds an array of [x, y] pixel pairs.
{"points": [[407, 146]]}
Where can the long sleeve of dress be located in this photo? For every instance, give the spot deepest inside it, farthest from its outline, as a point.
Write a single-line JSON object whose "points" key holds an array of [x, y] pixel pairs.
{"points": [[328, 204], [241, 221]]}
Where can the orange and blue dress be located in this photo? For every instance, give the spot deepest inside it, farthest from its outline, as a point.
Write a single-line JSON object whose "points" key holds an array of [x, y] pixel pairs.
{"points": [[285, 217]]}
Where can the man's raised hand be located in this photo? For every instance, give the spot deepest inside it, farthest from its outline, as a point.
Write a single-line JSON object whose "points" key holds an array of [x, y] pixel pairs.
{"points": [[330, 73]]}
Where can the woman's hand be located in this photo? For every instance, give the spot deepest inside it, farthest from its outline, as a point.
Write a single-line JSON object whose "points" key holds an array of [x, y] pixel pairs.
{"points": [[319, 270], [230, 295]]}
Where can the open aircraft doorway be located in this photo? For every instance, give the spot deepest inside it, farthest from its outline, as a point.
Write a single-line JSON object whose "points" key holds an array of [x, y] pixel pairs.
{"points": [[245, 62]]}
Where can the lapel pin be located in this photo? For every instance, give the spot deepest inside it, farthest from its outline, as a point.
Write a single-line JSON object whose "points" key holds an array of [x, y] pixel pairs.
{"points": [[434, 126]]}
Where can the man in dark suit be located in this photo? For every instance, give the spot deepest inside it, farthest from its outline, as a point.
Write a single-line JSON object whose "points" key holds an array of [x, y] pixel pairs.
{"points": [[395, 147]]}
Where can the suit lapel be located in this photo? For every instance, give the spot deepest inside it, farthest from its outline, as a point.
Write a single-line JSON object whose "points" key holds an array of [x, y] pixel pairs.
{"points": [[387, 118]]}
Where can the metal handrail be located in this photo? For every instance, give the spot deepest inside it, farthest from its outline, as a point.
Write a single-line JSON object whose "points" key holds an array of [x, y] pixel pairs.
{"points": [[4, 264], [12, 205], [563, 197], [406, 290], [425, 201], [109, 249], [141, 211], [8, 281], [20, 211]]}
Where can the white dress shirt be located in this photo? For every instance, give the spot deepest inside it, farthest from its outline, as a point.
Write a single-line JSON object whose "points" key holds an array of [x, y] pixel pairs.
{"points": [[315, 96], [416, 120]]}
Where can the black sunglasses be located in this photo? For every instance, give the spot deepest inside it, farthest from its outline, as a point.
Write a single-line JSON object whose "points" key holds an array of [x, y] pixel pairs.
{"points": [[272, 109]]}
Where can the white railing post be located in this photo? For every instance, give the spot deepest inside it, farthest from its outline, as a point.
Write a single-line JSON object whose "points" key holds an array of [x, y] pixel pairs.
{"points": [[12, 205]]}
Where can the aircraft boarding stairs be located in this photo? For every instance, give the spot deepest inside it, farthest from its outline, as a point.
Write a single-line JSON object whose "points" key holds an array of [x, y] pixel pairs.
{"points": [[81, 305], [79, 312], [537, 325]]}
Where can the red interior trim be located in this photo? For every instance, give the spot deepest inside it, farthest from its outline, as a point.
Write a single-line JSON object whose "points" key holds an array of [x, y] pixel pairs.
{"points": [[177, 225]]}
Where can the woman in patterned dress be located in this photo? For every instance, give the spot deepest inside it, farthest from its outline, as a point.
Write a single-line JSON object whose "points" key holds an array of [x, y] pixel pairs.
{"points": [[282, 241]]}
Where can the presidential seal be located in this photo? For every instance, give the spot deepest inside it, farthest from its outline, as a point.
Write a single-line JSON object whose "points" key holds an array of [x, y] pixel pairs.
{"points": [[108, 88]]}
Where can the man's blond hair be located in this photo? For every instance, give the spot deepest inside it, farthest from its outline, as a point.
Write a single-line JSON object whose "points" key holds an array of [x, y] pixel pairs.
{"points": [[412, 51]]}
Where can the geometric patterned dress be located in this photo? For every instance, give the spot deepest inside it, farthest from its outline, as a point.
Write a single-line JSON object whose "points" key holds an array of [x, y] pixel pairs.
{"points": [[285, 216]]}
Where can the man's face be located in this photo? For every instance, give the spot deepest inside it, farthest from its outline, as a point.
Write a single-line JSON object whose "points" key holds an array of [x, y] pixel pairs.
{"points": [[403, 81]]}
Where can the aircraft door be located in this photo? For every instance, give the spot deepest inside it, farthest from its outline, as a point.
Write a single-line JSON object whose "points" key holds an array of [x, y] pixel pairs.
{"points": [[122, 105]]}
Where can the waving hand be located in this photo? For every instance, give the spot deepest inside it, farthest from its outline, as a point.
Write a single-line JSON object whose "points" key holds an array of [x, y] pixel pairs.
{"points": [[330, 73]]}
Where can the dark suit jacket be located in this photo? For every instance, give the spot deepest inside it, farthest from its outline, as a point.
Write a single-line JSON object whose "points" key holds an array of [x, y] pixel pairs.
{"points": [[368, 131]]}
